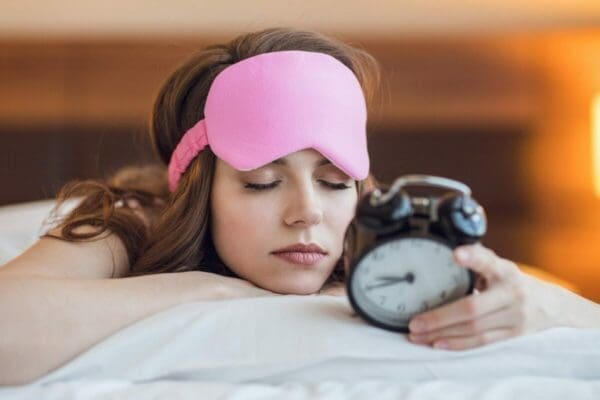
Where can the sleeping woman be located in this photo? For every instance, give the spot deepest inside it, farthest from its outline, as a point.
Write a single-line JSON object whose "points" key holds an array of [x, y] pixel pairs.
{"points": [[264, 144]]}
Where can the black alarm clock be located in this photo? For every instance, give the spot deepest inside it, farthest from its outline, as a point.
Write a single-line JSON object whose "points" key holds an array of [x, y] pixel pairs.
{"points": [[403, 263]]}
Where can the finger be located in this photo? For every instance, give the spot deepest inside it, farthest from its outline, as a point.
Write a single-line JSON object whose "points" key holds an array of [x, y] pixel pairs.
{"points": [[480, 284], [464, 309], [467, 342], [483, 261], [503, 318]]}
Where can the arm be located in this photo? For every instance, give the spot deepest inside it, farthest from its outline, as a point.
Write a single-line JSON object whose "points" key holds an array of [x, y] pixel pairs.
{"points": [[57, 300], [48, 321], [579, 311]]}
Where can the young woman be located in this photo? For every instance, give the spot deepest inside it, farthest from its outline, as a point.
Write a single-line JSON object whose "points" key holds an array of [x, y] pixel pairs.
{"points": [[264, 139]]}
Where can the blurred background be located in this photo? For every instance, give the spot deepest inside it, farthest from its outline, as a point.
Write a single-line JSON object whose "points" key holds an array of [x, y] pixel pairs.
{"points": [[503, 95]]}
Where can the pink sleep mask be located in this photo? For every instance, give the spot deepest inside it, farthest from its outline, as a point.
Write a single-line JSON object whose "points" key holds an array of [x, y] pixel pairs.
{"points": [[270, 105]]}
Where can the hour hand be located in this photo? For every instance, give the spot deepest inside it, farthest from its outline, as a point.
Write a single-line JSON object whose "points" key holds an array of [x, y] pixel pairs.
{"points": [[393, 278]]}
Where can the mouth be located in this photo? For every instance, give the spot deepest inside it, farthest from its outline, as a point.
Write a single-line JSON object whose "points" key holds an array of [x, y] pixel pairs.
{"points": [[302, 248], [301, 258], [301, 254]]}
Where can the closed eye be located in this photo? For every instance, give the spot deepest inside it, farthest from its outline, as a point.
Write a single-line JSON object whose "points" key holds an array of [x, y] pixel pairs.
{"points": [[266, 186], [261, 186], [335, 186]]}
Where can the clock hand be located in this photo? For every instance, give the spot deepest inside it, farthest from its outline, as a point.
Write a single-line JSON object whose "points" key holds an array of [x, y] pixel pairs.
{"points": [[409, 277], [394, 278]]}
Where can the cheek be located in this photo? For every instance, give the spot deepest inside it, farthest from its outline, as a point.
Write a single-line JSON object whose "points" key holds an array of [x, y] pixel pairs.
{"points": [[236, 221], [240, 226], [340, 214], [342, 211]]}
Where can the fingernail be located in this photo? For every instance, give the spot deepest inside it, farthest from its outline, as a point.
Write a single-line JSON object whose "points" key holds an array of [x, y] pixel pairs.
{"points": [[462, 254], [417, 325], [442, 344]]}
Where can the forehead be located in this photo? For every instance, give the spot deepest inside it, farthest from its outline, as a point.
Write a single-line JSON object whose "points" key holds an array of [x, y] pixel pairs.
{"points": [[306, 156], [284, 161]]}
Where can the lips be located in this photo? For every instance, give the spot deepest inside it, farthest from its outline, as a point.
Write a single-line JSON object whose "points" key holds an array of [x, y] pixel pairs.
{"points": [[301, 248], [301, 254]]}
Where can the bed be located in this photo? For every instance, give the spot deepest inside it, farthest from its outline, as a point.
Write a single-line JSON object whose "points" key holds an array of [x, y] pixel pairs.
{"points": [[298, 347]]}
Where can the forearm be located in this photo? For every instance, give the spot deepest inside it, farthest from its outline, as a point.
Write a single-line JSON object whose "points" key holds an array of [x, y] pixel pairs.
{"points": [[46, 322], [580, 312]]}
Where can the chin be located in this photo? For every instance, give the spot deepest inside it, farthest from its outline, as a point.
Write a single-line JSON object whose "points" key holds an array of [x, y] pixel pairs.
{"points": [[299, 289]]}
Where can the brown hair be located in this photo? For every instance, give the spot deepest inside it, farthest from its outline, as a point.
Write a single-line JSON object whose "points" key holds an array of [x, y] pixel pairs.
{"points": [[179, 236]]}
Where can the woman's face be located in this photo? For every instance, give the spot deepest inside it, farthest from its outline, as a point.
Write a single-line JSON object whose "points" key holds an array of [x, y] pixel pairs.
{"points": [[298, 199]]}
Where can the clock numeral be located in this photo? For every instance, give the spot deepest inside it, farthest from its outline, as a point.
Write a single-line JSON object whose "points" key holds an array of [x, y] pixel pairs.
{"points": [[382, 299], [424, 307], [401, 307]]}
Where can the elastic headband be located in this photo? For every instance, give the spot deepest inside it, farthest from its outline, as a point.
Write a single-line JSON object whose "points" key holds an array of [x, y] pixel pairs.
{"points": [[270, 105]]}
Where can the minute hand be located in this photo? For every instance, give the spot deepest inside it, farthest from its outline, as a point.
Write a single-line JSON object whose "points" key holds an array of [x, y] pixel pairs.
{"points": [[391, 280]]}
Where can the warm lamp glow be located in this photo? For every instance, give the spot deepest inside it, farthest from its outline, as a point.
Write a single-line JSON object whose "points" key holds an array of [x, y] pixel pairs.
{"points": [[596, 142]]}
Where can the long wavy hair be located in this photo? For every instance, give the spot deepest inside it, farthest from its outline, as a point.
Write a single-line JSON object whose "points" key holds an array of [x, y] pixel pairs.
{"points": [[178, 237]]}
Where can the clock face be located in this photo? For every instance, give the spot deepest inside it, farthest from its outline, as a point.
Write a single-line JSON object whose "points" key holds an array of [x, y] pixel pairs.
{"points": [[405, 276]]}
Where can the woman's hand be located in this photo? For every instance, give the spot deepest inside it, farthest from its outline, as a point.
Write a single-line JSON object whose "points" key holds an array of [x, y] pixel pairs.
{"points": [[236, 288], [506, 303], [203, 285]]}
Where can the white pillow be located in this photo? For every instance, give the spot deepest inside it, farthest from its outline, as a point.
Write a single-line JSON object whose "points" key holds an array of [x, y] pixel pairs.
{"points": [[21, 225]]}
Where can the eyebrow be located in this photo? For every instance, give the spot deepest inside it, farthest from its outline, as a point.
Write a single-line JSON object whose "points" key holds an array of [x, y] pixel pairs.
{"points": [[282, 161]]}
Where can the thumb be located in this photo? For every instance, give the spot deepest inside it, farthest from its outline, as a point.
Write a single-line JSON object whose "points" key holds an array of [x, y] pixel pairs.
{"points": [[482, 260]]}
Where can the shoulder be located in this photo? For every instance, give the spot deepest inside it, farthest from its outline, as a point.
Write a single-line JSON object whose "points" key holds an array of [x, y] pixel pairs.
{"points": [[53, 256]]}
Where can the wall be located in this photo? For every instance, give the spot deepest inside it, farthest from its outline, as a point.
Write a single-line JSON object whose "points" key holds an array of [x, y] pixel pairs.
{"points": [[508, 114], [110, 18]]}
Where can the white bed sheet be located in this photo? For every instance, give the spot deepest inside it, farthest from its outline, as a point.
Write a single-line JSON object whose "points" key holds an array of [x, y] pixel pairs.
{"points": [[530, 388], [306, 347]]}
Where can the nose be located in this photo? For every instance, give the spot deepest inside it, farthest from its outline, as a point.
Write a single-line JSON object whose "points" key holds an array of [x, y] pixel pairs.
{"points": [[304, 206]]}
